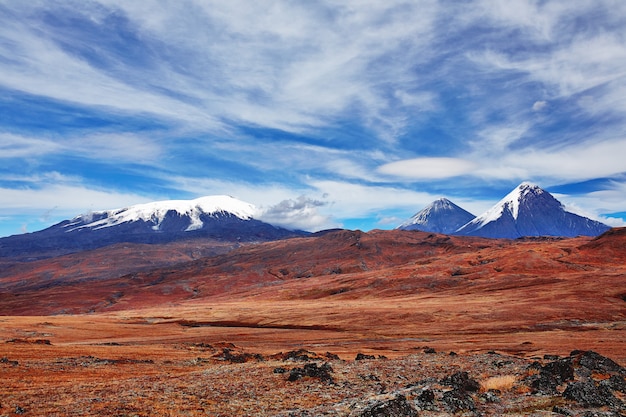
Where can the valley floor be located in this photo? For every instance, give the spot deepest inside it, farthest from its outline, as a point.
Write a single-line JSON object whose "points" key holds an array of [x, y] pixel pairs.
{"points": [[237, 359]]}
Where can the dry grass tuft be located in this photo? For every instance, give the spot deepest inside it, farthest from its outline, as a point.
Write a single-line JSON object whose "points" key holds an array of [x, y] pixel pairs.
{"points": [[500, 383]]}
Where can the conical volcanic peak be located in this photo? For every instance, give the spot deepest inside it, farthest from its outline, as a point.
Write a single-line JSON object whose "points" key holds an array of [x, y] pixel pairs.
{"points": [[529, 210], [441, 216]]}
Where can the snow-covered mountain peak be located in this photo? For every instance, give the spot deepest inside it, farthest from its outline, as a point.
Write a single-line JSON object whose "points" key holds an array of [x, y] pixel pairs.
{"points": [[155, 212], [442, 203], [440, 216], [530, 211], [511, 202]]}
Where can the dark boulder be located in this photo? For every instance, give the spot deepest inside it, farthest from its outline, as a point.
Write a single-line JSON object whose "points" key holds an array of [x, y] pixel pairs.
{"points": [[301, 355], [397, 407], [561, 370], [462, 382], [458, 400], [589, 394], [595, 362], [313, 371], [427, 396], [362, 356], [550, 376]]}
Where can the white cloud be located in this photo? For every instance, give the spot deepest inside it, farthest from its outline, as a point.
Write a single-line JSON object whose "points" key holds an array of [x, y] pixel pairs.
{"points": [[105, 147], [539, 105], [117, 147], [578, 162], [613, 200], [65, 199], [301, 213], [495, 139], [428, 168], [609, 200], [349, 200], [16, 146]]}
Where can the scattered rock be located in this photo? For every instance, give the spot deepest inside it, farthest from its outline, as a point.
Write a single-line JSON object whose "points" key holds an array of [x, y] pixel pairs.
{"points": [[589, 394], [426, 400], [461, 382], [601, 414], [458, 400], [362, 356], [427, 396], [616, 383], [313, 371], [551, 376], [7, 361], [238, 357], [490, 397], [429, 350], [561, 370], [30, 341], [562, 411], [280, 370], [300, 355], [397, 407], [596, 362], [19, 410], [501, 363]]}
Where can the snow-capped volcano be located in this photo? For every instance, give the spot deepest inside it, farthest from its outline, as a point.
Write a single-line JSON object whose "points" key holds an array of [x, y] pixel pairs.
{"points": [[219, 217], [440, 216], [530, 211], [157, 212]]}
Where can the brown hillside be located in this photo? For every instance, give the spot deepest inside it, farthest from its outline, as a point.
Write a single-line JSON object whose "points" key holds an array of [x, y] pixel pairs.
{"points": [[388, 287]]}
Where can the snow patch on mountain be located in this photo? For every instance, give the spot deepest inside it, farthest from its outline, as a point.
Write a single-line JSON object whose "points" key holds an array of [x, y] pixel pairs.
{"points": [[155, 212]]}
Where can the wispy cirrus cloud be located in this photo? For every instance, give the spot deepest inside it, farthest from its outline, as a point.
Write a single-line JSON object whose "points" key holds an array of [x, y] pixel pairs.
{"points": [[287, 66], [271, 101], [429, 168]]}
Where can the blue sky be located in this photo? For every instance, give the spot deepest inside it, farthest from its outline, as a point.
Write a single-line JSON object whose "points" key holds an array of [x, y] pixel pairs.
{"points": [[323, 114]]}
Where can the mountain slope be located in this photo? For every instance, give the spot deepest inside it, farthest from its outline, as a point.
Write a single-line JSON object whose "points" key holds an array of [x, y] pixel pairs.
{"points": [[215, 217], [530, 211], [441, 216]]}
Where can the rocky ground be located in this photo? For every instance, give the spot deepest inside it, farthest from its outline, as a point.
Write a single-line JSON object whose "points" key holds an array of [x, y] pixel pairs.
{"points": [[200, 379]]}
